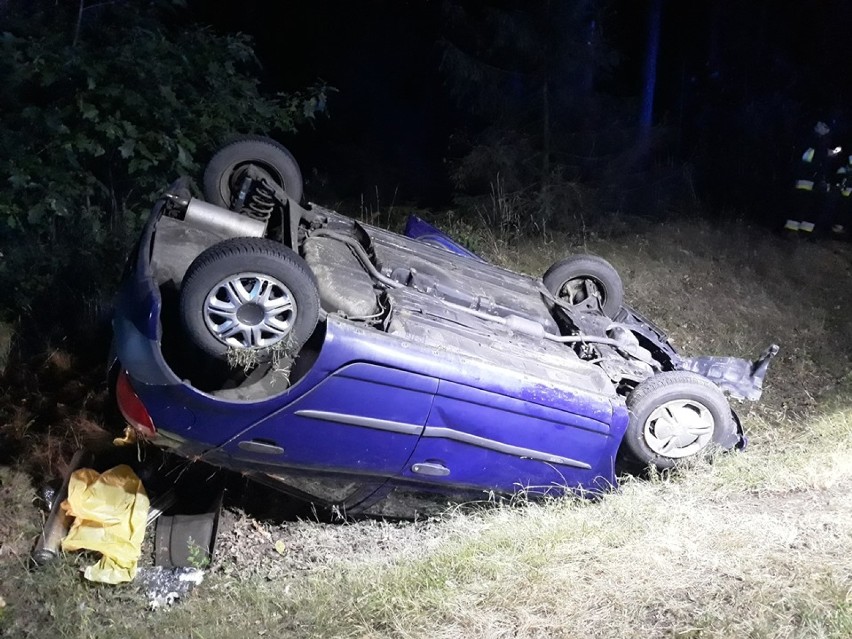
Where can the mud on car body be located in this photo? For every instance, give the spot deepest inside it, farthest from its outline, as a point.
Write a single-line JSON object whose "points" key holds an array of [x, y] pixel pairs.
{"points": [[382, 373]]}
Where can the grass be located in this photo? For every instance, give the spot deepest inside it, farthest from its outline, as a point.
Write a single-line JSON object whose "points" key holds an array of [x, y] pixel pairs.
{"points": [[757, 544]]}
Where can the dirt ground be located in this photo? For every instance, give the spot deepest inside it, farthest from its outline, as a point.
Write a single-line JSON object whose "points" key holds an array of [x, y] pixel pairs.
{"points": [[726, 289]]}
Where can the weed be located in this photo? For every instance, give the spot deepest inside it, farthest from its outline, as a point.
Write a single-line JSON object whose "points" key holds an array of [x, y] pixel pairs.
{"points": [[280, 355], [198, 556], [374, 216]]}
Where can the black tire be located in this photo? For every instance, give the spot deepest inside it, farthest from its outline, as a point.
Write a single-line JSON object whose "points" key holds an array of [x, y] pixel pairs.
{"points": [[677, 415], [283, 312], [222, 174], [570, 279]]}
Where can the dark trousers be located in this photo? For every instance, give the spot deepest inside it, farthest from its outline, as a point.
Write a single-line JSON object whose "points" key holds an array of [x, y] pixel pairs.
{"points": [[819, 207]]}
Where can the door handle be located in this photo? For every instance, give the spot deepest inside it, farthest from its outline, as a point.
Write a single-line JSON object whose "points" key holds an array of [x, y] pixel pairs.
{"points": [[261, 447], [432, 469]]}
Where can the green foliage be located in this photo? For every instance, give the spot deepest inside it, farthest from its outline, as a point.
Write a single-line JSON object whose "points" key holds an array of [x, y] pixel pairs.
{"points": [[198, 556], [99, 115]]}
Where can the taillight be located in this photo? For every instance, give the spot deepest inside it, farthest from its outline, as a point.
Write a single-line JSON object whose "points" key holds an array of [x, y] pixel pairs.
{"points": [[132, 408]]}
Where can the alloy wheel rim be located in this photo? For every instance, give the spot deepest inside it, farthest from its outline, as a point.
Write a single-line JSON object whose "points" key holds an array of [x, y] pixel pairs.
{"points": [[250, 310]]}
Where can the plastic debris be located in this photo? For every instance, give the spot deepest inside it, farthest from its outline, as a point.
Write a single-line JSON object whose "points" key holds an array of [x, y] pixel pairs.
{"points": [[128, 438], [164, 586], [110, 511]]}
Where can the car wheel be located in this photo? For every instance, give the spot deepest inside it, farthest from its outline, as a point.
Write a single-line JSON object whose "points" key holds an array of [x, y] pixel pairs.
{"points": [[584, 281], [224, 173], [677, 415], [249, 293]]}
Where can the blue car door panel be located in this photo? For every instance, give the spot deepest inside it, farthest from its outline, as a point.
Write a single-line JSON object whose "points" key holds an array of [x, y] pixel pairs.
{"points": [[476, 437], [363, 419]]}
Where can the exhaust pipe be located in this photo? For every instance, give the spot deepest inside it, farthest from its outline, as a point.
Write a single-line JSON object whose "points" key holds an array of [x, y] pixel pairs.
{"points": [[57, 524], [222, 221]]}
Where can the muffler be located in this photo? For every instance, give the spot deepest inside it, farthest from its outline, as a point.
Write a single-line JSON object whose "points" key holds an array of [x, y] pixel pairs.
{"points": [[221, 221]]}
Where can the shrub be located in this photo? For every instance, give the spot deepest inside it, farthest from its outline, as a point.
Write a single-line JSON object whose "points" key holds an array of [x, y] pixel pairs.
{"points": [[96, 123]]}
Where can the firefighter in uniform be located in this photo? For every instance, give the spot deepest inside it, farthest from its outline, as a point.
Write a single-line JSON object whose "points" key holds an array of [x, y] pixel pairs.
{"points": [[844, 188], [815, 186]]}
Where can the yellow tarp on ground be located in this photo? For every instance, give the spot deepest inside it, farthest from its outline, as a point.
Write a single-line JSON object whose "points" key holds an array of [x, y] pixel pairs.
{"points": [[110, 511]]}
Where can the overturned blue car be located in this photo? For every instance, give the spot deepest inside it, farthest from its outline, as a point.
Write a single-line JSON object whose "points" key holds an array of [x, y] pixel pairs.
{"points": [[383, 374]]}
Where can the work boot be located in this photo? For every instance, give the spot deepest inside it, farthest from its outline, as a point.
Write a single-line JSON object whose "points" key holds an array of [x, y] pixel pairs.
{"points": [[791, 229]]}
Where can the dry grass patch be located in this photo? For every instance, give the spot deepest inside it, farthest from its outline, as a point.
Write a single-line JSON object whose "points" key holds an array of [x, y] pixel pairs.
{"points": [[755, 545], [712, 551], [655, 561], [17, 528]]}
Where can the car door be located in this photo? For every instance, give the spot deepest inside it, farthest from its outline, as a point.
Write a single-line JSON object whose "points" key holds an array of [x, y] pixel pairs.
{"points": [[364, 419], [483, 439]]}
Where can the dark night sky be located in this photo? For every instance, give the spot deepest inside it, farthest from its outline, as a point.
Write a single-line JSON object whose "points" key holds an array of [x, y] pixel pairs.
{"points": [[758, 72]]}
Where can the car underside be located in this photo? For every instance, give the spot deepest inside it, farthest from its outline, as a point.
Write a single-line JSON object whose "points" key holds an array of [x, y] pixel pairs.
{"points": [[377, 372]]}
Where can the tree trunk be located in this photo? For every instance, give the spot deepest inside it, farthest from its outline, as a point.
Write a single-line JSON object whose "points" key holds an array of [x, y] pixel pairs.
{"points": [[546, 206], [649, 82], [545, 153], [79, 23]]}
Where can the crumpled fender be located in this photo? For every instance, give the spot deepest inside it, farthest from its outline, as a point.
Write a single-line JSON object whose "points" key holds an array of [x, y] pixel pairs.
{"points": [[737, 377]]}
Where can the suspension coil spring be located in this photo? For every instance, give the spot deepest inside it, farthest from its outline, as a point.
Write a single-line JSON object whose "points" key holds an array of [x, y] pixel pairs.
{"points": [[260, 202]]}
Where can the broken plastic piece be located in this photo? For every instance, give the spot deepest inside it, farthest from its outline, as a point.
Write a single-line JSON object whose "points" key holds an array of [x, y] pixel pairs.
{"points": [[127, 439]]}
